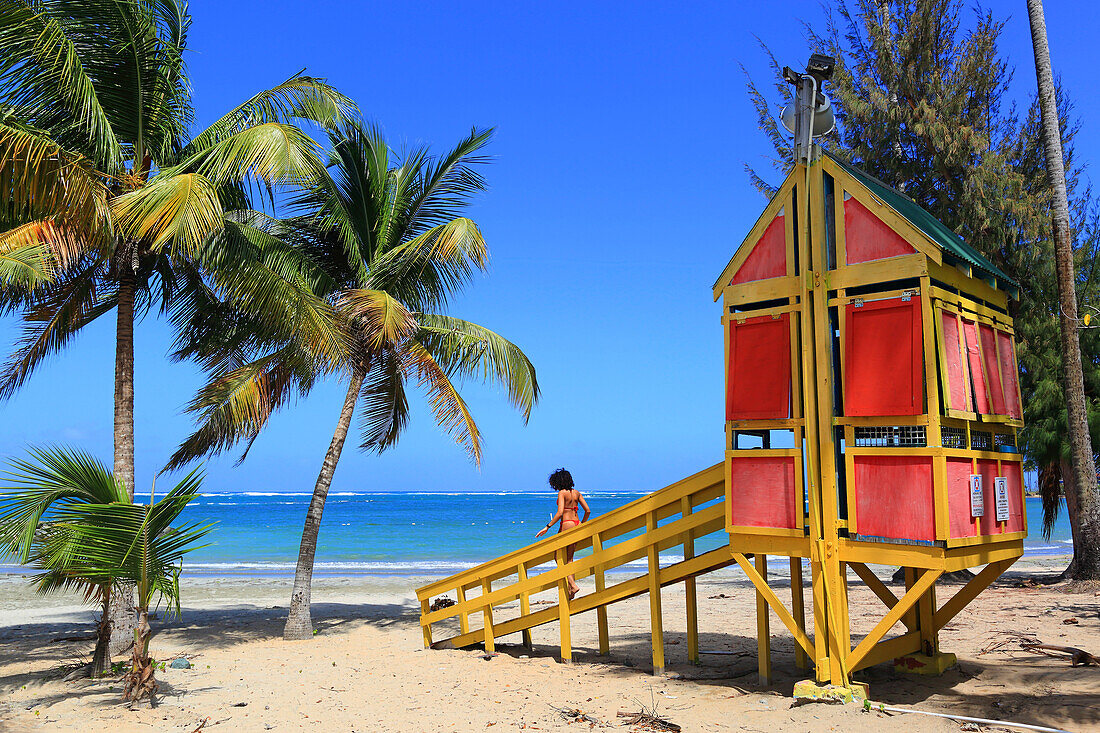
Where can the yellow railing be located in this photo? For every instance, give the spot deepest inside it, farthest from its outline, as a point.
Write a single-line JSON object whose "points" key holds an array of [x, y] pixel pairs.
{"points": [[692, 503]]}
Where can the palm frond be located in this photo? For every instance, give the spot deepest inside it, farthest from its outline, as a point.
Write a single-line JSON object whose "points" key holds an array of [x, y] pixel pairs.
{"points": [[56, 316], [383, 404], [176, 212], [378, 316], [301, 97], [450, 410], [43, 180], [43, 75], [467, 350], [50, 479], [270, 153]]}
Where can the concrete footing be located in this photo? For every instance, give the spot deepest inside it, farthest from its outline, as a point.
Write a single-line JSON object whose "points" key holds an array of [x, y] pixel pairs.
{"points": [[934, 665]]}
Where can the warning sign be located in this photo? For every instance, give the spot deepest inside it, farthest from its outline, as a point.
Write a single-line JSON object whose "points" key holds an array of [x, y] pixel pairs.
{"points": [[1000, 497], [977, 499]]}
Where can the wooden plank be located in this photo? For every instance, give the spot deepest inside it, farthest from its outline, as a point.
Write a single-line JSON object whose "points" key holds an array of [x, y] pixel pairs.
{"points": [[630, 588], [524, 604], [704, 485], [690, 599], [426, 628], [601, 611], [656, 624], [969, 592], [564, 615], [888, 649], [707, 520], [463, 619], [798, 610], [763, 626], [906, 602], [777, 605], [487, 625]]}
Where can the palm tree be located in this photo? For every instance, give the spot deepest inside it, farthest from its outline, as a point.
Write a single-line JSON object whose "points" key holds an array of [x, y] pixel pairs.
{"points": [[1081, 488], [386, 236], [43, 510], [111, 205]]}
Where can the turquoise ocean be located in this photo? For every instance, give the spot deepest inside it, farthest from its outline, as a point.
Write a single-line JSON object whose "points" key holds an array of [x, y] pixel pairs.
{"points": [[416, 533], [257, 533]]}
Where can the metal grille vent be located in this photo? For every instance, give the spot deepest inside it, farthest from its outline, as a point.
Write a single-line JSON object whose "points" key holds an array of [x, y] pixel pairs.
{"points": [[890, 436], [981, 440], [953, 437]]}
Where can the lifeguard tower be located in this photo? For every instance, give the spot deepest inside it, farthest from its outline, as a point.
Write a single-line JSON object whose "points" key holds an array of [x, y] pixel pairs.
{"points": [[872, 404]]}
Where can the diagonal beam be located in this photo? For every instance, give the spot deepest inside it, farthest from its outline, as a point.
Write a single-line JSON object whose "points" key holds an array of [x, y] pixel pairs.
{"points": [[776, 604], [893, 616], [873, 582], [969, 592]]}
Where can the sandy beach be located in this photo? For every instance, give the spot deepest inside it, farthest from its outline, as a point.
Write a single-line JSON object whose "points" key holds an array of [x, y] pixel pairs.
{"points": [[366, 668]]}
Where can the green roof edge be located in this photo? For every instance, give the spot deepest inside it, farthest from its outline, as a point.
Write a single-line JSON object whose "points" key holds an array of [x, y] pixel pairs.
{"points": [[933, 228]]}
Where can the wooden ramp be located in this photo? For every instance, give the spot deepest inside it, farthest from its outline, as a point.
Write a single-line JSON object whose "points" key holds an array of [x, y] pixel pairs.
{"points": [[673, 517]]}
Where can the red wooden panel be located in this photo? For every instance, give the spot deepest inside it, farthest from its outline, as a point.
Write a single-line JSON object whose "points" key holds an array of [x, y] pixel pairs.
{"points": [[866, 237], [768, 258], [959, 521], [894, 497], [883, 358], [1010, 373], [989, 358], [758, 382], [764, 492], [1010, 471], [957, 387], [974, 361]]}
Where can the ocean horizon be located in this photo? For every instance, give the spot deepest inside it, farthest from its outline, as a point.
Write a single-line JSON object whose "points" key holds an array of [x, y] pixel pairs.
{"points": [[417, 533]]}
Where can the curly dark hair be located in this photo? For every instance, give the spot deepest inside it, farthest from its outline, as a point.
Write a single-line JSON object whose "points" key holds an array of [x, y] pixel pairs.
{"points": [[561, 480]]}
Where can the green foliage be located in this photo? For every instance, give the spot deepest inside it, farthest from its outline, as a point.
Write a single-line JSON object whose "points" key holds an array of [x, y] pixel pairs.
{"points": [[63, 513], [920, 102], [105, 181], [381, 239]]}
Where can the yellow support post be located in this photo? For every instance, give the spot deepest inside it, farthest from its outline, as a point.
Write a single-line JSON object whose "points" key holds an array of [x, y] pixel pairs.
{"points": [[912, 621], [821, 622], [926, 609], [563, 612], [464, 618], [690, 599], [427, 628], [656, 625], [798, 610], [763, 630], [601, 586], [524, 602], [487, 611]]}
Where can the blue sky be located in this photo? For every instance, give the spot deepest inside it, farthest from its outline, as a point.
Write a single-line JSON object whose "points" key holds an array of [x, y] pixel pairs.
{"points": [[617, 196]]}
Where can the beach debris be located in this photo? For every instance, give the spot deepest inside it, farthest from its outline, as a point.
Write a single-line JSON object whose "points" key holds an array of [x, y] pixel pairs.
{"points": [[180, 663], [576, 715], [1077, 657], [645, 720], [201, 725], [441, 603], [1070, 620], [1008, 642], [720, 595], [488, 655], [648, 718]]}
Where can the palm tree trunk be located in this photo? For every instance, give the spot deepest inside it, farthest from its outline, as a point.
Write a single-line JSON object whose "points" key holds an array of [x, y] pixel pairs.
{"points": [[101, 658], [122, 601], [1087, 540], [299, 624]]}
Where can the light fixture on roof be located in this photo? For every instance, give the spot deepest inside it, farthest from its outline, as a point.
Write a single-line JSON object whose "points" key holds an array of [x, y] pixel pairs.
{"points": [[810, 114]]}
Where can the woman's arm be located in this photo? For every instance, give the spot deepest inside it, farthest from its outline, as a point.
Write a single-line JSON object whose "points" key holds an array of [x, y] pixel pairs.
{"points": [[584, 504], [557, 516]]}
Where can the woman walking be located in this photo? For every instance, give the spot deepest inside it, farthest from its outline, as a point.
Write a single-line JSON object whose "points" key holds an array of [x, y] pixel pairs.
{"points": [[568, 501]]}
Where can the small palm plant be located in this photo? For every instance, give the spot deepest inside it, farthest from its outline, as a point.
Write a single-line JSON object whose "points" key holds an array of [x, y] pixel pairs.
{"points": [[69, 518]]}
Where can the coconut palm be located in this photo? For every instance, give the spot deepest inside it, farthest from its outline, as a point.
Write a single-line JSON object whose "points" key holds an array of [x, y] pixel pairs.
{"points": [[43, 496], [386, 237], [87, 543], [110, 205]]}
